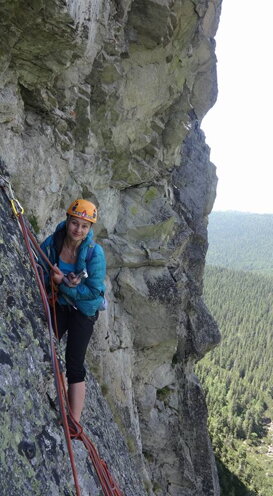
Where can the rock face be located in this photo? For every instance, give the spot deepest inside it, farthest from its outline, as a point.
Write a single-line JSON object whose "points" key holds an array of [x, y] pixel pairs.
{"points": [[104, 100], [34, 458]]}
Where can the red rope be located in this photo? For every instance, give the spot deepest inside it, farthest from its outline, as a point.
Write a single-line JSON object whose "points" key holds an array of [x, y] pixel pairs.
{"points": [[107, 482], [54, 359]]}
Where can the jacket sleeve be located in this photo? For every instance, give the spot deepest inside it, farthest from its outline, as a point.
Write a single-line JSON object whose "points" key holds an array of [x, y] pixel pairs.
{"points": [[92, 287]]}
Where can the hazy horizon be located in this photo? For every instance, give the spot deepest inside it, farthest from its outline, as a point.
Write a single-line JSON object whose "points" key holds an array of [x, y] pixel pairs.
{"points": [[231, 210]]}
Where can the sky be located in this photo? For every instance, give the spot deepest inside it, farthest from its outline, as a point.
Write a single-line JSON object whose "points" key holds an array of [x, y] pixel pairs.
{"points": [[239, 127]]}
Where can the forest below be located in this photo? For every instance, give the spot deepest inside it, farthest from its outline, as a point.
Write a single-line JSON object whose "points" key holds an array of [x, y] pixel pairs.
{"points": [[237, 376]]}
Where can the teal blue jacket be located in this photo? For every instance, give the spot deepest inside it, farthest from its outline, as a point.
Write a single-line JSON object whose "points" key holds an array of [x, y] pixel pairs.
{"points": [[89, 294]]}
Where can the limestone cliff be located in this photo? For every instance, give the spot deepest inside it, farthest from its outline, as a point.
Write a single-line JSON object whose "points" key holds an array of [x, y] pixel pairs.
{"points": [[103, 99]]}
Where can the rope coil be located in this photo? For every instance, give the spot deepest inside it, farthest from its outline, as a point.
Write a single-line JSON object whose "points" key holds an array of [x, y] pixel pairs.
{"points": [[107, 482]]}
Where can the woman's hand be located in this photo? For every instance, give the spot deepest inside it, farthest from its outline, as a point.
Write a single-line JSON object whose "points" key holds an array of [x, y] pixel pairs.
{"points": [[57, 275], [73, 280]]}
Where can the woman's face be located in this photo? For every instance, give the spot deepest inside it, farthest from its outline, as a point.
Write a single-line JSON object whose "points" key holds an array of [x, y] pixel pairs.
{"points": [[77, 229]]}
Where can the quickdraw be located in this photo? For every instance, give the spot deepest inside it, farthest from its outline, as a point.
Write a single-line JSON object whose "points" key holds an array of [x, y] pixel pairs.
{"points": [[15, 204], [69, 424]]}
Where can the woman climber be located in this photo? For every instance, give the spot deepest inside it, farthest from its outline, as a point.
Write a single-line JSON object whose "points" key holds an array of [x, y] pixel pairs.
{"points": [[79, 276]]}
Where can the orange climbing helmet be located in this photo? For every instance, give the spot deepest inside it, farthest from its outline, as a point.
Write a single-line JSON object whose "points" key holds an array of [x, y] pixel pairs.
{"points": [[83, 209]]}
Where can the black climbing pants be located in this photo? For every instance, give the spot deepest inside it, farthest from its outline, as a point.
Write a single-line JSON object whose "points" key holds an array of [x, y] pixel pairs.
{"points": [[79, 329]]}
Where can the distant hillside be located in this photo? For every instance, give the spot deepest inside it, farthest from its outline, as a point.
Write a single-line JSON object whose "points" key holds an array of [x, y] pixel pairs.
{"points": [[241, 241]]}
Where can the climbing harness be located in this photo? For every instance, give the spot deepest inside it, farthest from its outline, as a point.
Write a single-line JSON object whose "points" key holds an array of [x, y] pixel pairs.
{"points": [[72, 428]]}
